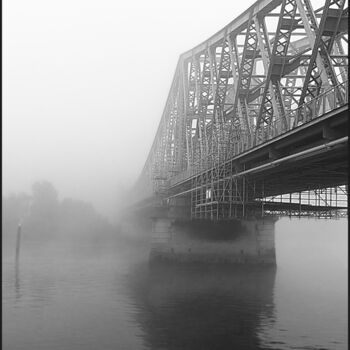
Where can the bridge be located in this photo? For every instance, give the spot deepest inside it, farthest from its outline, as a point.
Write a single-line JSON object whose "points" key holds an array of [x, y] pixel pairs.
{"points": [[256, 120]]}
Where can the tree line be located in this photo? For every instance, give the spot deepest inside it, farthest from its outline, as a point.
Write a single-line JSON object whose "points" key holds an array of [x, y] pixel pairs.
{"points": [[42, 213]]}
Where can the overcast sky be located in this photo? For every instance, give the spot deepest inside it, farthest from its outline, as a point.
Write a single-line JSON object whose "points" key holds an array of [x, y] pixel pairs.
{"points": [[85, 83]]}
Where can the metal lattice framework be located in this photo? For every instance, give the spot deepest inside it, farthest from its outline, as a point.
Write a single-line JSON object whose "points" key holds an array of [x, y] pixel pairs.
{"points": [[275, 67]]}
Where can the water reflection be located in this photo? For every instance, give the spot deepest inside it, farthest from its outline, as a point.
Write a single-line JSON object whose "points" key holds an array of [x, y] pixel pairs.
{"points": [[34, 284], [56, 299], [17, 282], [202, 308]]}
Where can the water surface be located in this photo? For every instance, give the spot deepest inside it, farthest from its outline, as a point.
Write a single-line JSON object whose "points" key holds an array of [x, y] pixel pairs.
{"points": [[79, 296]]}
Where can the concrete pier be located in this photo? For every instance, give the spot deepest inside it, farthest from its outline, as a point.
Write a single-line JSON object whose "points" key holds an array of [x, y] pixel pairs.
{"points": [[233, 242]]}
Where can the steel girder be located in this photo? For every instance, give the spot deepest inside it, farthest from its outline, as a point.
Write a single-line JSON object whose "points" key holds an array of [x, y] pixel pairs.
{"points": [[244, 85], [272, 102], [320, 68]]}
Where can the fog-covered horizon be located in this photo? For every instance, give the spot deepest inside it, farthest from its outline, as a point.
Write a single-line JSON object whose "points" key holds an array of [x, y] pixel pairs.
{"points": [[84, 88]]}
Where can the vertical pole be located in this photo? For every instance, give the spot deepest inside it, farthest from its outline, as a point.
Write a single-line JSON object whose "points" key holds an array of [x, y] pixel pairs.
{"points": [[263, 199], [191, 201], [336, 202], [243, 208], [236, 197]]}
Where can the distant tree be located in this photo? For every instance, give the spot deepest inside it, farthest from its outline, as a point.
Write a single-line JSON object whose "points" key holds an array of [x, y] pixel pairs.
{"points": [[44, 209], [44, 191], [42, 214]]}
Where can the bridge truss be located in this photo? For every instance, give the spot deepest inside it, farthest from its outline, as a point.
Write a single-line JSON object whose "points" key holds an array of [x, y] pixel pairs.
{"points": [[277, 67]]}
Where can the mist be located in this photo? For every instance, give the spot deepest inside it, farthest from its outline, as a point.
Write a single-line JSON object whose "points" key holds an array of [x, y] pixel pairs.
{"points": [[85, 86]]}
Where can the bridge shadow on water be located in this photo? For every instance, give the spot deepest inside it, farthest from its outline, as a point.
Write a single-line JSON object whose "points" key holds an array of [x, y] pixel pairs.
{"points": [[201, 307]]}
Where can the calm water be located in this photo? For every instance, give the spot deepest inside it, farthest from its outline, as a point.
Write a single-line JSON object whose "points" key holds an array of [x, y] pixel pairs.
{"points": [[76, 297]]}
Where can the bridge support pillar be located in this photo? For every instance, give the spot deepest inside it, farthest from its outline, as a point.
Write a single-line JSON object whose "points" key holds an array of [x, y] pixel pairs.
{"points": [[233, 242]]}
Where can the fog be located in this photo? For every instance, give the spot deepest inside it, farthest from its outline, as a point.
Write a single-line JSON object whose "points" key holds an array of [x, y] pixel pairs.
{"points": [[84, 89], [85, 84]]}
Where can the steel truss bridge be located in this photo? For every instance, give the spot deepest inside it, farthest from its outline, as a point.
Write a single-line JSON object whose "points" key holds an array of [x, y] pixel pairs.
{"points": [[256, 120]]}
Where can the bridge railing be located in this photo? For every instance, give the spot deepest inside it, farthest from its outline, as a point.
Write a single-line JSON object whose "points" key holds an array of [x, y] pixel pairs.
{"points": [[313, 109]]}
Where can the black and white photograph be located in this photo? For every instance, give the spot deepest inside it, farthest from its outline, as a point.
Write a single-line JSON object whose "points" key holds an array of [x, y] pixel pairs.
{"points": [[175, 175]]}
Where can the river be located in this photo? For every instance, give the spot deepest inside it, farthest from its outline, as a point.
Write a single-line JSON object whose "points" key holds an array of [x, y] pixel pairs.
{"points": [[74, 296]]}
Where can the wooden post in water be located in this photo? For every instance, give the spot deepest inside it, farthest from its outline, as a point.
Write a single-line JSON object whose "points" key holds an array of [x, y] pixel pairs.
{"points": [[18, 240]]}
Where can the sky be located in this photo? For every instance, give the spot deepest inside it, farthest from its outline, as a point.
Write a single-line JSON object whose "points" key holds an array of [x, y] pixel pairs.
{"points": [[84, 86]]}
